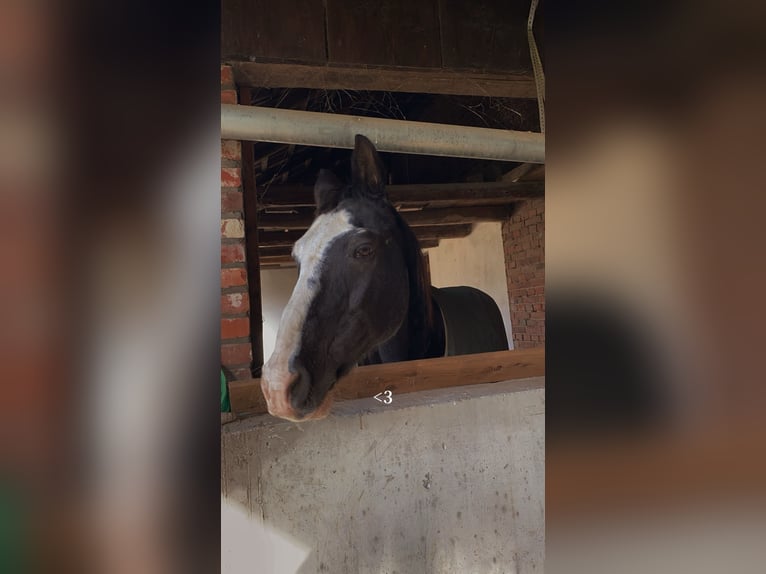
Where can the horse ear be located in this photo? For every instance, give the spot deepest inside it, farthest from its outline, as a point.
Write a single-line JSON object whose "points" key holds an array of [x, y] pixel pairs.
{"points": [[367, 170], [327, 191]]}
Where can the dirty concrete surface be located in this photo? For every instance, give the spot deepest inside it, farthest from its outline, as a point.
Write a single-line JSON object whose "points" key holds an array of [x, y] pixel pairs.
{"points": [[449, 481]]}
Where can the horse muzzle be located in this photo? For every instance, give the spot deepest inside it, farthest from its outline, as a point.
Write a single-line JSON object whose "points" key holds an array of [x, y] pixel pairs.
{"points": [[288, 395]]}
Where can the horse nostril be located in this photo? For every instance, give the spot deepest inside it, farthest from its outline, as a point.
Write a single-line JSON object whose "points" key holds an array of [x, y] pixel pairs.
{"points": [[300, 390]]}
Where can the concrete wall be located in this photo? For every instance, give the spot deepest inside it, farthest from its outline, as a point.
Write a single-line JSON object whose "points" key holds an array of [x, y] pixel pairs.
{"points": [[444, 481], [478, 261]]}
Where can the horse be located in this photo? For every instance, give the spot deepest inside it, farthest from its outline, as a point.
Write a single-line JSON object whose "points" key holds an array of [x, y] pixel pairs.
{"points": [[362, 294]]}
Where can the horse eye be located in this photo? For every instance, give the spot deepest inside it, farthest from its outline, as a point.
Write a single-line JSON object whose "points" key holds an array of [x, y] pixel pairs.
{"points": [[364, 250]]}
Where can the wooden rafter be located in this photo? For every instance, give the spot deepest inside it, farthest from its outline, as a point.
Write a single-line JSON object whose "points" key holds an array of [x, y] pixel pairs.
{"points": [[301, 218], [283, 238], [273, 252], [429, 195], [387, 79]]}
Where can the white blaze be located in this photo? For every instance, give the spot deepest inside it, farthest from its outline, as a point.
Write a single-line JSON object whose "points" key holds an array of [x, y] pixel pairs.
{"points": [[310, 250]]}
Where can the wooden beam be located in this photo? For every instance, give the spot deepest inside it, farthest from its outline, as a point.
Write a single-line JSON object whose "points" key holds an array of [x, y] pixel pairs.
{"points": [[443, 231], [279, 238], [275, 251], [386, 79], [250, 209], [428, 195], [283, 238], [277, 261], [411, 376], [455, 215], [301, 218], [272, 251], [428, 242], [525, 172]]}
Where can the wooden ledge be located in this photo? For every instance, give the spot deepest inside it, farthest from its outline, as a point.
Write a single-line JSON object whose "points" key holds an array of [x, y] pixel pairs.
{"points": [[411, 376]]}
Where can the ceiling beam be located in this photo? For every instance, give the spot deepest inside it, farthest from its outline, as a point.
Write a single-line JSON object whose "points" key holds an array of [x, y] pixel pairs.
{"points": [[283, 238], [525, 172], [301, 218], [428, 195], [390, 79], [283, 252]]}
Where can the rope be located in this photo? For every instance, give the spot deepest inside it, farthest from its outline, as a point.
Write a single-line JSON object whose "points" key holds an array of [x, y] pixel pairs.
{"points": [[537, 65]]}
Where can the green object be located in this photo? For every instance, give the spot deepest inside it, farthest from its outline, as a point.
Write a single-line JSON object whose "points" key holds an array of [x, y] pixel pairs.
{"points": [[13, 531], [225, 402]]}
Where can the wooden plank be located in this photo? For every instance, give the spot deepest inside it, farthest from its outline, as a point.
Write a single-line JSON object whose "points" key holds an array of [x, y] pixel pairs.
{"points": [[277, 260], [413, 80], [250, 208], [525, 172], [286, 30], [443, 231], [277, 266], [424, 195], [485, 34], [279, 238], [428, 243], [301, 218], [385, 32], [411, 376], [275, 251], [454, 215], [283, 238], [267, 252]]}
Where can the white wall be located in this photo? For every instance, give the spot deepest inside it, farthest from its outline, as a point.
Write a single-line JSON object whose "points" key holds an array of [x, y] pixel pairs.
{"points": [[477, 261], [276, 288]]}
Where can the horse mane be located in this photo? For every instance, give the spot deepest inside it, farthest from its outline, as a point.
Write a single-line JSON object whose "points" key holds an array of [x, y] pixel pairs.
{"points": [[420, 307]]}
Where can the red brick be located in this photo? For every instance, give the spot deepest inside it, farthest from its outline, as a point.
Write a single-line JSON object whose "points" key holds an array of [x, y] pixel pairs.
{"points": [[227, 76], [231, 200], [235, 328], [235, 303], [232, 252], [234, 277], [228, 97], [231, 177], [236, 354], [231, 149]]}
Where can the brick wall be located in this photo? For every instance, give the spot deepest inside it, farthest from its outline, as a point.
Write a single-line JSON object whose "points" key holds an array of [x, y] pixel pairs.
{"points": [[236, 354], [524, 245]]}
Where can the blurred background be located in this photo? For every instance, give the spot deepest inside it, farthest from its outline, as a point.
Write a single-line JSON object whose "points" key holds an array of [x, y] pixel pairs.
{"points": [[110, 287], [654, 275], [109, 137]]}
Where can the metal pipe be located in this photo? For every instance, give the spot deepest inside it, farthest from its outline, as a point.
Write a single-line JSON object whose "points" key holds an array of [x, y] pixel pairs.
{"points": [[273, 125]]}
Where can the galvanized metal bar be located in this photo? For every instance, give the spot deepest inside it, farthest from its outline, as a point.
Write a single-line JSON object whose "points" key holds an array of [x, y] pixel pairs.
{"points": [[253, 123]]}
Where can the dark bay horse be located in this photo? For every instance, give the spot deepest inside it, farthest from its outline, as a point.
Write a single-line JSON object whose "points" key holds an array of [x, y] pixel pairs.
{"points": [[361, 297]]}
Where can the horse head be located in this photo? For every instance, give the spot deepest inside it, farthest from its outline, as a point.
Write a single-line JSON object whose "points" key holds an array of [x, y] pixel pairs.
{"points": [[352, 292]]}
